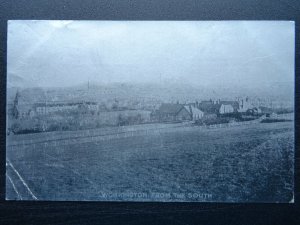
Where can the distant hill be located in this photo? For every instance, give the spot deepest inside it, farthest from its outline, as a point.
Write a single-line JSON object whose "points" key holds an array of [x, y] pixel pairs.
{"points": [[164, 93]]}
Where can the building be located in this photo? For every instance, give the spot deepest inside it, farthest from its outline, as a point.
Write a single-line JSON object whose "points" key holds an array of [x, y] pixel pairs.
{"points": [[169, 112], [244, 105], [54, 107], [226, 108], [196, 114], [212, 108], [25, 111]]}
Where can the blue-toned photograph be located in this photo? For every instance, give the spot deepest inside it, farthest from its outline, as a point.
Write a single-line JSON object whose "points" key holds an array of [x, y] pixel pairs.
{"points": [[163, 111]]}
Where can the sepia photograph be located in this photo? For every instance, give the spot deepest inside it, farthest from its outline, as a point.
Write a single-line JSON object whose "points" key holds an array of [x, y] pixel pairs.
{"points": [[150, 111]]}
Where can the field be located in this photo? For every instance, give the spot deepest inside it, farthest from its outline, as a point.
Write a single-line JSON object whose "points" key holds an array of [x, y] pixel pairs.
{"points": [[251, 163]]}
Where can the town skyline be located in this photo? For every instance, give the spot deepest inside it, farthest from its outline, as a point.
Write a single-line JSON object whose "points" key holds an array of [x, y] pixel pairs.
{"points": [[163, 92]]}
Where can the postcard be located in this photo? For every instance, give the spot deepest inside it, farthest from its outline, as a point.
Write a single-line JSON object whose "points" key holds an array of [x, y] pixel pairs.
{"points": [[164, 111]]}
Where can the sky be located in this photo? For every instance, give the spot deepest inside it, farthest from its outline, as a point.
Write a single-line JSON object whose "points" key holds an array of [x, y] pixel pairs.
{"points": [[253, 54]]}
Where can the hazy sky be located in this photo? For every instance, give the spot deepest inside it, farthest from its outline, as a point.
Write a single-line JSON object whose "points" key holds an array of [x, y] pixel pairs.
{"points": [[66, 53]]}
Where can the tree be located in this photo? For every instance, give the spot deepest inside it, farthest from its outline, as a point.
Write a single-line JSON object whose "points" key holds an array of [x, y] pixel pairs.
{"points": [[15, 110]]}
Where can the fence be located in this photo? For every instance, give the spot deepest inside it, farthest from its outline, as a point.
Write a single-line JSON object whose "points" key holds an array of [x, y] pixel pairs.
{"points": [[232, 124], [53, 139], [84, 136]]}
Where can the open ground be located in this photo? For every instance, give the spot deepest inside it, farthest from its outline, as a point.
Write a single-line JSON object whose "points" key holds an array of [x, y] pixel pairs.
{"points": [[251, 163]]}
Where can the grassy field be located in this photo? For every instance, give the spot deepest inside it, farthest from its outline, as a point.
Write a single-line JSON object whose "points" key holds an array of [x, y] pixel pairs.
{"points": [[252, 163]]}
